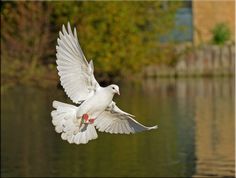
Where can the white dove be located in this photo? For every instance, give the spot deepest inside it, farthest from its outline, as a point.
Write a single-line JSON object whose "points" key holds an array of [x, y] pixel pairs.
{"points": [[96, 108]]}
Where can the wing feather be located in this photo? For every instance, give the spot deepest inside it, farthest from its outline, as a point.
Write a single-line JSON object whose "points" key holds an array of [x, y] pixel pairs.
{"points": [[114, 120], [76, 74]]}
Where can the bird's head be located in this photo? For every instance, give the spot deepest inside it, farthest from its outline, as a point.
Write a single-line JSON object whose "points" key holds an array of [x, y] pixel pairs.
{"points": [[115, 89]]}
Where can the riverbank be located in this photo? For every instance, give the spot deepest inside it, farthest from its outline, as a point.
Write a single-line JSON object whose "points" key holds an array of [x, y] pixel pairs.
{"points": [[204, 61], [42, 77], [51, 79]]}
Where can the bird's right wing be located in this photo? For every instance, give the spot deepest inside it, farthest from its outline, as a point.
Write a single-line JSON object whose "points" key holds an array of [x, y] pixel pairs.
{"points": [[76, 74], [114, 120]]}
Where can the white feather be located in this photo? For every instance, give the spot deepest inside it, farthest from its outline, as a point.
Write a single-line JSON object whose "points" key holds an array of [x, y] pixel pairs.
{"points": [[119, 122], [73, 68], [65, 122]]}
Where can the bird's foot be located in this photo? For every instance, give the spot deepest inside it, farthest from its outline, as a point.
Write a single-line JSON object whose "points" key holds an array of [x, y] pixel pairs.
{"points": [[86, 120], [91, 121]]}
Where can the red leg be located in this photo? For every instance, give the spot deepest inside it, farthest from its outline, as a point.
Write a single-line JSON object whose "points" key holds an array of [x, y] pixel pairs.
{"points": [[85, 117], [91, 121]]}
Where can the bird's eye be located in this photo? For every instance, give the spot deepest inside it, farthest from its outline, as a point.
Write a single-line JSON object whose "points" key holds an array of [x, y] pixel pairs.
{"points": [[113, 88]]}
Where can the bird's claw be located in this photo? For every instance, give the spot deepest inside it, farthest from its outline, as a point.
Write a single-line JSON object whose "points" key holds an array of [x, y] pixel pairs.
{"points": [[86, 120]]}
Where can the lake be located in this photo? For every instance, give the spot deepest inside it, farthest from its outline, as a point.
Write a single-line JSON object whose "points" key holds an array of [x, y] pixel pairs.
{"points": [[195, 135]]}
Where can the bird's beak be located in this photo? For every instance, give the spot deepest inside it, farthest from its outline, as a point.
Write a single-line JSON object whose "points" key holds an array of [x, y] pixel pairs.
{"points": [[118, 92]]}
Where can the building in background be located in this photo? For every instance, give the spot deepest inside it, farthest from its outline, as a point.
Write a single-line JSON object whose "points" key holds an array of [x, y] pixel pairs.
{"points": [[207, 14], [196, 19]]}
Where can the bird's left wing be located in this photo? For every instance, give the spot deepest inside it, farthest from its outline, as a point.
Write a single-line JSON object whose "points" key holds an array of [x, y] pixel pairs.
{"points": [[114, 120], [76, 74]]}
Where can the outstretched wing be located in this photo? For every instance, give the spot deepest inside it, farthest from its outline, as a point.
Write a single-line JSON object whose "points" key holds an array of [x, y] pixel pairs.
{"points": [[76, 74], [114, 120]]}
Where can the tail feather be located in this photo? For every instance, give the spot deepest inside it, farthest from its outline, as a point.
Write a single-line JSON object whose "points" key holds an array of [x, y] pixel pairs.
{"points": [[65, 122], [57, 104]]}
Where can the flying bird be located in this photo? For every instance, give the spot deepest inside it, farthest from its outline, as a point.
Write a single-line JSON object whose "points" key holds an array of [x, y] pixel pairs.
{"points": [[95, 106]]}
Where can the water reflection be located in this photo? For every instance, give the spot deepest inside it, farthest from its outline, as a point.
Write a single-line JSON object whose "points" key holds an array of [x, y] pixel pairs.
{"points": [[211, 102], [214, 130], [195, 135]]}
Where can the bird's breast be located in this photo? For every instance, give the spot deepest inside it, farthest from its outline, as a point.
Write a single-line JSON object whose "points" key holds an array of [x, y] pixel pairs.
{"points": [[95, 105]]}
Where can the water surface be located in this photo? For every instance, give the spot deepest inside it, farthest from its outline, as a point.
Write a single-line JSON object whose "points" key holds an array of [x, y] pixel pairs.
{"points": [[195, 135]]}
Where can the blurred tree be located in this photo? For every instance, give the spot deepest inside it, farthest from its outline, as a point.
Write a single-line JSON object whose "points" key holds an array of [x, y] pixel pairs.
{"points": [[220, 34], [25, 35], [120, 36]]}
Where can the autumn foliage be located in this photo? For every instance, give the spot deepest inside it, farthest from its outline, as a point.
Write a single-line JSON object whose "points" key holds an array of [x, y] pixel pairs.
{"points": [[121, 37]]}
